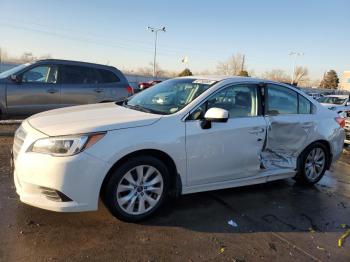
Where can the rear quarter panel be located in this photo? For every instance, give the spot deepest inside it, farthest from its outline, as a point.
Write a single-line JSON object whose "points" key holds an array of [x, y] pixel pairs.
{"points": [[115, 91]]}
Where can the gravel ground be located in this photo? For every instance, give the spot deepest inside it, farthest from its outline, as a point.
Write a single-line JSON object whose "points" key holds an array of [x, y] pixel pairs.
{"points": [[278, 221], [7, 129]]}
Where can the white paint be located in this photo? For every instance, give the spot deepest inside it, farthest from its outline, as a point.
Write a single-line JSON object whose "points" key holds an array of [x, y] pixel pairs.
{"points": [[226, 155]]}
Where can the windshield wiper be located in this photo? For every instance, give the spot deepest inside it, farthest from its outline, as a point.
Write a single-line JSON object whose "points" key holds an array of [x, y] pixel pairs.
{"points": [[144, 109]]}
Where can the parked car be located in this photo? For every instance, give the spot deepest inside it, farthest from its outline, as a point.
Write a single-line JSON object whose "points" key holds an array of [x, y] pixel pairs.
{"points": [[145, 85], [347, 129], [181, 136], [338, 103], [315, 96], [341, 105], [47, 84]]}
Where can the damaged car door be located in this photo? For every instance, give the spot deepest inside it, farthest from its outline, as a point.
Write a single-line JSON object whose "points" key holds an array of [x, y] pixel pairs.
{"points": [[290, 125], [228, 150]]}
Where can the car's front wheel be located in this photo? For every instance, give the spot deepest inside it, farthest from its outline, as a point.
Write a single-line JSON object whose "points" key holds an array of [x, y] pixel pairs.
{"points": [[313, 164], [137, 188]]}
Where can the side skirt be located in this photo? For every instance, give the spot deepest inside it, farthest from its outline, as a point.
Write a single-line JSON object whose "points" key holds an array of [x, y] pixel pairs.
{"points": [[263, 177]]}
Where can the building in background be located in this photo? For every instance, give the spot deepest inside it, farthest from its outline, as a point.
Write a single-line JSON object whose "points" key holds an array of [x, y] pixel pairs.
{"points": [[345, 84]]}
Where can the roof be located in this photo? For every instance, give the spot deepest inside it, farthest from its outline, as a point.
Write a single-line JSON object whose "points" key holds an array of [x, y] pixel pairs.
{"points": [[71, 62], [340, 96], [224, 77], [238, 79]]}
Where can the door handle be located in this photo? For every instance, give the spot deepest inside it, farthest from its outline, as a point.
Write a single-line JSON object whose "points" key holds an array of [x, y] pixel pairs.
{"points": [[98, 90], [52, 91], [257, 130]]}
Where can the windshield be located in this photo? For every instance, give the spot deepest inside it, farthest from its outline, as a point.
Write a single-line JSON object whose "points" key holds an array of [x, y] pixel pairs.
{"points": [[169, 96], [332, 100], [14, 70]]}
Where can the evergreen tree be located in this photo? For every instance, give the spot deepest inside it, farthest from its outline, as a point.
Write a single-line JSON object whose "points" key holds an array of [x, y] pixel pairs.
{"points": [[186, 72], [243, 73], [330, 80]]}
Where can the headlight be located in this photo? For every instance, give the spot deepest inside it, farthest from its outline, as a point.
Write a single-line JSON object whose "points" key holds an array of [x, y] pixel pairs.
{"points": [[64, 145]]}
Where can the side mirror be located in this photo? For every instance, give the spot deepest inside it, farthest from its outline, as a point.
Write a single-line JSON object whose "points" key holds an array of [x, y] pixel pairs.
{"points": [[214, 114], [347, 103], [16, 78]]}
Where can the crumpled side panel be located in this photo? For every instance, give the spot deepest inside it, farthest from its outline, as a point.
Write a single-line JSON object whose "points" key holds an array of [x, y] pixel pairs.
{"points": [[283, 143], [270, 159]]}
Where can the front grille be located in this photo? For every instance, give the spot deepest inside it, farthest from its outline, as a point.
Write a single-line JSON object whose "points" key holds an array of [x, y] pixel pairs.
{"points": [[20, 135]]}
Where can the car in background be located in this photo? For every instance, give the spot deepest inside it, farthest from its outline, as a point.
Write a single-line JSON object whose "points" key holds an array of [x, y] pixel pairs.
{"points": [[145, 85], [341, 105], [315, 96], [338, 103], [184, 135], [48, 84]]}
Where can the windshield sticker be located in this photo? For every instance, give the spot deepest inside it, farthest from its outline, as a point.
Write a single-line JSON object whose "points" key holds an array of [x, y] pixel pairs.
{"points": [[204, 81]]}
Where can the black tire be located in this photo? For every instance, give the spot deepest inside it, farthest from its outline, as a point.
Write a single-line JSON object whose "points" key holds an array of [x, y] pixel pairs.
{"points": [[109, 196], [301, 176]]}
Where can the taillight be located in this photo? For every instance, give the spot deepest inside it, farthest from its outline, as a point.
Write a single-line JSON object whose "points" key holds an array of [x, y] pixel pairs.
{"points": [[340, 121], [130, 90]]}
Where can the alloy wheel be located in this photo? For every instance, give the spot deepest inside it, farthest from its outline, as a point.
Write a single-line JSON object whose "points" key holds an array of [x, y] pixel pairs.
{"points": [[140, 189], [315, 163]]}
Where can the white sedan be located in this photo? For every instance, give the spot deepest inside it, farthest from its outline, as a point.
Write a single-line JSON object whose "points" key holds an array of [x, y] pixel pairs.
{"points": [[181, 136]]}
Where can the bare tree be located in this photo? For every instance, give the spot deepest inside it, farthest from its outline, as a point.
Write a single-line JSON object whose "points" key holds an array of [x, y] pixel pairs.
{"points": [[233, 66], [148, 70], [300, 74], [277, 75]]}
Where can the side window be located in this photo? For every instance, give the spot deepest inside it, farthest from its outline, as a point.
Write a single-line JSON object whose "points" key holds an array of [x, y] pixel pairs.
{"points": [[238, 100], [78, 75], [108, 76], [41, 74], [281, 100], [304, 105]]}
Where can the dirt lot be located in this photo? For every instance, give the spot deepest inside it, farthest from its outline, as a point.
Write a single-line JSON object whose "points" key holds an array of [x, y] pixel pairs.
{"points": [[276, 221]]}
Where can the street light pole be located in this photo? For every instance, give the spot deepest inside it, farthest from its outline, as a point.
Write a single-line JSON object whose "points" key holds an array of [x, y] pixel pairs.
{"points": [[0, 59], [155, 31], [295, 54]]}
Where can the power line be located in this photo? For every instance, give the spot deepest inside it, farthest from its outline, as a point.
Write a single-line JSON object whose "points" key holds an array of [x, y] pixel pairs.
{"points": [[166, 48]]}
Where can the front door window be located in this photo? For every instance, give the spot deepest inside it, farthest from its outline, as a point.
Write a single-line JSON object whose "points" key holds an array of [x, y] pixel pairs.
{"points": [[41, 74]]}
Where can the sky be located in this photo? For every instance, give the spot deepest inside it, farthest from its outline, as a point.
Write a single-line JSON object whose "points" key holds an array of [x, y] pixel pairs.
{"points": [[207, 32]]}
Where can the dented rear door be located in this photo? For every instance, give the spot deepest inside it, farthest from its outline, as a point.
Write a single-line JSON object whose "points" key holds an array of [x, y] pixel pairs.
{"points": [[290, 127]]}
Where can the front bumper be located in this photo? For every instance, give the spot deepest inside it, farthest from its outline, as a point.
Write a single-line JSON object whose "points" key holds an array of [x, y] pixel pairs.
{"points": [[78, 177]]}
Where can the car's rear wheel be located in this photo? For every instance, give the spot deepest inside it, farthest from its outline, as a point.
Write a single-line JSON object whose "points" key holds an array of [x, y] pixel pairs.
{"points": [[137, 188], [313, 164]]}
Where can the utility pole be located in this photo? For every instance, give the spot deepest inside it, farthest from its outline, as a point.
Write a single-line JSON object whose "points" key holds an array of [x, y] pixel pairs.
{"points": [[155, 31], [243, 61], [0, 60], [295, 54]]}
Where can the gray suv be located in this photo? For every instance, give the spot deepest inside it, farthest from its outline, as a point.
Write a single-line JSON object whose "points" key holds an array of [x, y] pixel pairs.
{"points": [[47, 84]]}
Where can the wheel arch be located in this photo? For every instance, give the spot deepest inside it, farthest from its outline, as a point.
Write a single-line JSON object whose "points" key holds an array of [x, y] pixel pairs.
{"points": [[175, 178], [329, 152]]}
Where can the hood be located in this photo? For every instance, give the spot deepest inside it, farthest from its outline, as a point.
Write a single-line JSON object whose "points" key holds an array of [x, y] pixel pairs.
{"points": [[89, 118]]}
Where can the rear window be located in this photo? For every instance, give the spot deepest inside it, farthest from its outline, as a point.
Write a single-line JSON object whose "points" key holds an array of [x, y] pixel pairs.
{"points": [[78, 75], [108, 76], [304, 105]]}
